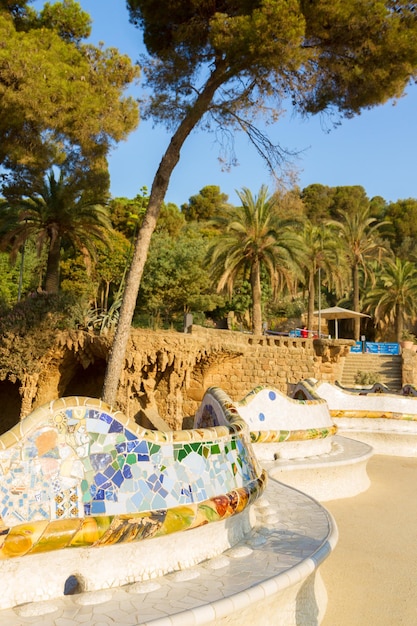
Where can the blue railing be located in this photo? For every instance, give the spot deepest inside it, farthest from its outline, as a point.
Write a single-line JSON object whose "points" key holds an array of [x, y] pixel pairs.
{"points": [[374, 347]]}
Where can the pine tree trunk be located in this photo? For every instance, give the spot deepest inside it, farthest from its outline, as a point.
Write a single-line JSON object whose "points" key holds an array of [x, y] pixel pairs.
{"points": [[159, 187]]}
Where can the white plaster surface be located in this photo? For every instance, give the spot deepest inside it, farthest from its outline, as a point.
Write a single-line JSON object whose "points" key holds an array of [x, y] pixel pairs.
{"points": [[280, 412], [386, 436], [339, 399], [341, 473], [268, 579]]}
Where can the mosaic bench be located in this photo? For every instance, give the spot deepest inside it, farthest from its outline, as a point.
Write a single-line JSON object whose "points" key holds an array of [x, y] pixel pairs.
{"points": [[386, 421], [82, 487], [280, 427], [296, 441]]}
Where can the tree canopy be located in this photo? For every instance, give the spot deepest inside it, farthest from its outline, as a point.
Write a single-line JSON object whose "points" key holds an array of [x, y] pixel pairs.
{"points": [[58, 210], [205, 204], [59, 95], [394, 297], [253, 238]]}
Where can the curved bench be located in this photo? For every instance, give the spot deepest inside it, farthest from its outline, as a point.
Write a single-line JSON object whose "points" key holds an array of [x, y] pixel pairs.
{"points": [[386, 421], [295, 441], [280, 427], [75, 474], [270, 578]]}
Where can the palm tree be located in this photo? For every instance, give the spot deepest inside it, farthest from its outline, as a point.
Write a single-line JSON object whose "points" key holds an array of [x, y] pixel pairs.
{"points": [[61, 211], [322, 259], [394, 297], [254, 238], [359, 235]]}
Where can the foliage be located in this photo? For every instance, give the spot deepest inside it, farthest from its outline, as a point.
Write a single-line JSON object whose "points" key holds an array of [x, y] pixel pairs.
{"points": [[127, 215], [403, 215], [171, 220], [109, 270], [75, 281], [104, 320], [348, 200], [176, 279], [406, 335], [322, 263], [59, 96], [358, 234], [57, 211], [39, 310], [205, 205], [29, 329], [317, 200], [251, 238], [25, 269], [280, 46], [366, 378], [394, 297]]}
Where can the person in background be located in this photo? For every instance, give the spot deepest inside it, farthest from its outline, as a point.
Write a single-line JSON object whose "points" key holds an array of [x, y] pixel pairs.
{"points": [[304, 331]]}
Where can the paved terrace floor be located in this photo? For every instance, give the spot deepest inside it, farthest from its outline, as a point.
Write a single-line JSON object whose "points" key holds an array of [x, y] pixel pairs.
{"points": [[371, 577]]}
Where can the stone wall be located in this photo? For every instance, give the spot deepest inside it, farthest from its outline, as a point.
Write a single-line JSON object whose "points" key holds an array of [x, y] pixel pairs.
{"points": [[168, 372], [409, 368]]}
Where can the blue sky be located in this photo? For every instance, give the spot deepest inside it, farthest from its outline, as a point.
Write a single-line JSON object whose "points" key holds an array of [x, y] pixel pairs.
{"points": [[376, 149]]}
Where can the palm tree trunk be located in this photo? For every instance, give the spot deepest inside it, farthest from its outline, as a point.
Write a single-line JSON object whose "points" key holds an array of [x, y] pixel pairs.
{"points": [[355, 281], [140, 253], [399, 322], [311, 298], [255, 281], [52, 265]]}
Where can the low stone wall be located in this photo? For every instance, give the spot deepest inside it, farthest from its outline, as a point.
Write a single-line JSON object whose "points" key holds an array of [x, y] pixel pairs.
{"points": [[168, 372]]}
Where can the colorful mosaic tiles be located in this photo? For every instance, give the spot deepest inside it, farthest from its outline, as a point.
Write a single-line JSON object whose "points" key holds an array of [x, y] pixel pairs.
{"points": [[75, 473], [271, 416]]}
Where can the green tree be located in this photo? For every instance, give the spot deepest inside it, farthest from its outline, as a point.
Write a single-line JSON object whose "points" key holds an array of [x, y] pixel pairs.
{"points": [[227, 61], [318, 200], [18, 278], [403, 216], [394, 298], [59, 211], [254, 238], [177, 279], [57, 94], [127, 214], [109, 271], [171, 220], [99, 284], [205, 204], [321, 259], [378, 207], [348, 199], [359, 236]]}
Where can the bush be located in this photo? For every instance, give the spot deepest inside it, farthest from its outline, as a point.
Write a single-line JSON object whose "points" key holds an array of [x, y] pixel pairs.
{"points": [[366, 378], [40, 311]]}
